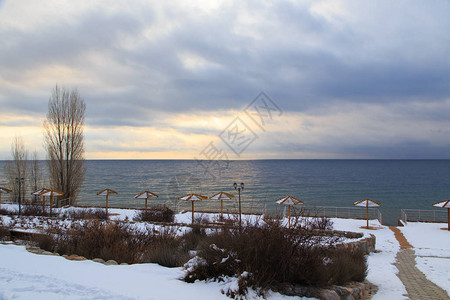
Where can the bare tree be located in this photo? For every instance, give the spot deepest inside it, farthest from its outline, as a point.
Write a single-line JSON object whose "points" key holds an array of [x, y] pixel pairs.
{"points": [[35, 174], [64, 141], [17, 169]]}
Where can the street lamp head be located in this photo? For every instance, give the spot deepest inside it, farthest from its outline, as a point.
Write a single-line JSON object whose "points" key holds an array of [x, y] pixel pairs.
{"points": [[242, 185], [235, 186]]}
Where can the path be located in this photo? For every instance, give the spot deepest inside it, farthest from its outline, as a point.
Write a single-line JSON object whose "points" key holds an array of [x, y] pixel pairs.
{"points": [[415, 282]]}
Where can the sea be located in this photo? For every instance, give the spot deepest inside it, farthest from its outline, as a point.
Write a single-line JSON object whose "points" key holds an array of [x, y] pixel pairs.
{"points": [[396, 184]]}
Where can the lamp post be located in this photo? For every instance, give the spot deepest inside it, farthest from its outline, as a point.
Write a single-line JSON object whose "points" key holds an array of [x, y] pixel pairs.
{"points": [[239, 188], [19, 181]]}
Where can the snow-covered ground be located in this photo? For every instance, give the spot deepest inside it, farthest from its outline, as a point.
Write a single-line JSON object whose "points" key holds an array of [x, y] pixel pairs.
{"points": [[24, 275], [432, 247], [382, 272]]}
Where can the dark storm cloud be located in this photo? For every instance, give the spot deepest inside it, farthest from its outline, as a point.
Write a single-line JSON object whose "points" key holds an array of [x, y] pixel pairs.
{"points": [[138, 63]]}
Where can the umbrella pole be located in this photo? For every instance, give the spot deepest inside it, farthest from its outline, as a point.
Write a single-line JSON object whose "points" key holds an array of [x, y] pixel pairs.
{"points": [[145, 203], [106, 204], [289, 216], [43, 202], [192, 212], [221, 209], [367, 213]]}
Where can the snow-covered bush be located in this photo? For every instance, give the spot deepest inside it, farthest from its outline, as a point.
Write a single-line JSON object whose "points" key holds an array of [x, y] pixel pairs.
{"points": [[272, 254]]}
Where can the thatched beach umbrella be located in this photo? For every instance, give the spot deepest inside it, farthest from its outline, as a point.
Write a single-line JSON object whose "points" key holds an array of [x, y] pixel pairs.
{"points": [[51, 194], [221, 196], [193, 198], [107, 192], [289, 200], [367, 203], [37, 193], [445, 204], [145, 195], [3, 190]]}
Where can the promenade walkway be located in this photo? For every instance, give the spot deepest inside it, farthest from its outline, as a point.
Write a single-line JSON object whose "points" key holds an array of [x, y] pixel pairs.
{"points": [[415, 282]]}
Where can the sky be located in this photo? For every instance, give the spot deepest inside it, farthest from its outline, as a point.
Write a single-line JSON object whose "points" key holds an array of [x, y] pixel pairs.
{"points": [[236, 79]]}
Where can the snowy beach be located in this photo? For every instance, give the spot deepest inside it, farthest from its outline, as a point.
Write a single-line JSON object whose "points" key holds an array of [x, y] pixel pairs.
{"points": [[25, 275]]}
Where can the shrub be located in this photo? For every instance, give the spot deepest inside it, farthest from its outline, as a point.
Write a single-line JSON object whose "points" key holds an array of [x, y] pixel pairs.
{"points": [[272, 254], [6, 212], [167, 253], [155, 214], [5, 235], [34, 210], [85, 214], [46, 242]]}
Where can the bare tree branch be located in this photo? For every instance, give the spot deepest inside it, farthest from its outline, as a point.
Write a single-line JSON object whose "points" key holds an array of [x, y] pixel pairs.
{"points": [[64, 140]]}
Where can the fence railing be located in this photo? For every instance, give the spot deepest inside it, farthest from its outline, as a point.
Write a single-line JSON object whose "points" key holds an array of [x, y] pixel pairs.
{"points": [[343, 212], [322, 211], [423, 215]]}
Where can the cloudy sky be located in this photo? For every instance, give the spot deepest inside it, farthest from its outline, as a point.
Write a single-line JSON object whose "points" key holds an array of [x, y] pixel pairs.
{"points": [[165, 79]]}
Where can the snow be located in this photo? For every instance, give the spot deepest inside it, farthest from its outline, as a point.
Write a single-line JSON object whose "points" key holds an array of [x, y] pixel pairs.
{"points": [[382, 272], [432, 248], [24, 275]]}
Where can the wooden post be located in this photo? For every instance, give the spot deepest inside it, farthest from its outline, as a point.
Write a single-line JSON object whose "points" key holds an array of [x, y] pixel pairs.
{"points": [[0, 199], [192, 212], [146, 204], [51, 203], [289, 216], [43, 202], [448, 218], [106, 203], [367, 213], [221, 209]]}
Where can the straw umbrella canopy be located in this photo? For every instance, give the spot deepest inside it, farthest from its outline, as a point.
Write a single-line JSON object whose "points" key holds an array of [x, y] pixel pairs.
{"points": [[221, 196], [445, 204], [145, 195], [367, 203], [106, 192], [3, 190], [193, 198], [51, 194], [38, 193], [289, 200]]}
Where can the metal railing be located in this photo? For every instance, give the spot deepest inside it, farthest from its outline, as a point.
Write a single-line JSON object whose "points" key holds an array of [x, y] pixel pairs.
{"points": [[342, 212], [423, 215], [320, 211]]}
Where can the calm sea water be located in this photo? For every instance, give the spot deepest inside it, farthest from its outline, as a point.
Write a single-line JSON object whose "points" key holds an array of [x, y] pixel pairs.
{"points": [[395, 183]]}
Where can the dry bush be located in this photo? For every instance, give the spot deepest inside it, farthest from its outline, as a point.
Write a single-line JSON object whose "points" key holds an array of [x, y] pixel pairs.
{"points": [[46, 242], [115, 241], [34, 210], [85, 214], [5, 235], [201, 219], [6, 212], [155, 214], [273, 254], [167, 253]]}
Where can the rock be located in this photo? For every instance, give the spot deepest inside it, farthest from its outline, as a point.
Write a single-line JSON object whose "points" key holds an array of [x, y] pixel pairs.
{"points": [[111, 262], [328, 295], [124, 264], [47, 253], [344, 293], [99, 260], [75, 257]]}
